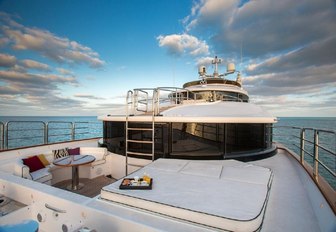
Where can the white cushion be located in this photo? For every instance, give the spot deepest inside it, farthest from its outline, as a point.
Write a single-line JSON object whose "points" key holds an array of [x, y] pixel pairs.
{"points": [[41, 175], [98, 152]]}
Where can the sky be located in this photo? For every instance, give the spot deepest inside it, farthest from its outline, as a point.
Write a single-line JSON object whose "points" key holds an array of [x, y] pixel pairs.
{"points": [[71, 58]]}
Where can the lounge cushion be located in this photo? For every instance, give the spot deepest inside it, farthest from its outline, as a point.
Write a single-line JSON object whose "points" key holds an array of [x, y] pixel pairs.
{"points": [[74, 151], [26, 225], [34, 163], [60, 153], [42, 175]]}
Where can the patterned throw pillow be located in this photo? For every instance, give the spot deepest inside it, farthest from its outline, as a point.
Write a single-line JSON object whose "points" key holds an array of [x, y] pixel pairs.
{"points": [[60, 153]]}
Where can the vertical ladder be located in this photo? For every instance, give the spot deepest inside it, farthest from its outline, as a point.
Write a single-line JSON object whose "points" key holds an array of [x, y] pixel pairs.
{"points": [[131, 103]]}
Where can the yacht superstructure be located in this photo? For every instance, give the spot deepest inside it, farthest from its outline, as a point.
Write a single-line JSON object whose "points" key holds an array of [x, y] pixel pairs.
{"points": [[212, 112]]}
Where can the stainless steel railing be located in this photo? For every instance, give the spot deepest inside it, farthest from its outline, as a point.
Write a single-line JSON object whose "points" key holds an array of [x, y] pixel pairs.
{"points": [[15, 134], [321, 152], [154, 99], [2, 135]]}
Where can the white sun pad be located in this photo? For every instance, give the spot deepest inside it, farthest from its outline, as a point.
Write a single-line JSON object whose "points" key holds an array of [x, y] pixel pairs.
{"points": [[228, 195]]}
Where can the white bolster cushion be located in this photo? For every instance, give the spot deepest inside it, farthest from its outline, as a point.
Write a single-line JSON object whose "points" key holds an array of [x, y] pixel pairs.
{"points": [[98, 152]]}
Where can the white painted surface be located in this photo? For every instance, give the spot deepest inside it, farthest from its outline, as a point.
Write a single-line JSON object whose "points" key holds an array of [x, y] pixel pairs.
{"points": [[211, 112]]}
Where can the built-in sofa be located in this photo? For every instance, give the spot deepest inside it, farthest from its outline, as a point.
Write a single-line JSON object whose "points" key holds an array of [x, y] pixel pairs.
{"points": [[51, 174]]}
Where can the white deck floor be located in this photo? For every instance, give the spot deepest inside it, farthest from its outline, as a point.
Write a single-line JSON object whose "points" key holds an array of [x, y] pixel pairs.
{"points": [[295, 203]]}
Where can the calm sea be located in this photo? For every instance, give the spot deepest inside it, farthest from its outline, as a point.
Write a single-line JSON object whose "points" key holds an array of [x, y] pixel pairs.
{"points": [[89, 126]]}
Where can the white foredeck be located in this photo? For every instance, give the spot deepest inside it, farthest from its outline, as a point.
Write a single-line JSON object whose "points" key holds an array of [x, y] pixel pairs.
{"points": [[295, 202]]}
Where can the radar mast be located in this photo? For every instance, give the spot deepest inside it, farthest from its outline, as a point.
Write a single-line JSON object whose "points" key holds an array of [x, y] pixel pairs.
{"points": [[216, 61]]}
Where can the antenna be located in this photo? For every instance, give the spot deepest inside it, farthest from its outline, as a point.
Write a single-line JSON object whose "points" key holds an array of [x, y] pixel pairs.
{"points": [[241, 54], [216, 61]]}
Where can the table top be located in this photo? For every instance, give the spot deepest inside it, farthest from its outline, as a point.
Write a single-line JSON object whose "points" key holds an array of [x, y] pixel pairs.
{"points": [[74, 160]]}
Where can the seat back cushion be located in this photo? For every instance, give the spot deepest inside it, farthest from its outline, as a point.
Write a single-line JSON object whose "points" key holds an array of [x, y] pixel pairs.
{"points": [[74, 151], [34, 163]]}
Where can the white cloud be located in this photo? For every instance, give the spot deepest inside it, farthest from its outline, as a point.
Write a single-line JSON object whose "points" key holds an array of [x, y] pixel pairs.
{"points": [[264, 26], [15, 78], [64, 71], [56, 48], [42, 88], [316, 54], [204, 61], [7, 60], [178, 44], [288, 48], [87, 96], [35, 65]]}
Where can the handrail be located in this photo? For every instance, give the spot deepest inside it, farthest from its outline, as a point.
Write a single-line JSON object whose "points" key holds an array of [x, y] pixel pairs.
{"points": [[16, 134], [129, 101], [2, 135], [49, 129], [141, 101], [316, 146], [175, 96]]}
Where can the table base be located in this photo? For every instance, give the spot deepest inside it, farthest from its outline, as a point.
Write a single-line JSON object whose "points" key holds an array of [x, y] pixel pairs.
{"points": [[75, 188]]}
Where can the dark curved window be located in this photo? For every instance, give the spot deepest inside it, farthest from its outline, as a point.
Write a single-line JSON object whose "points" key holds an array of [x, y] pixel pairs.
{"points": [[196, 140]]}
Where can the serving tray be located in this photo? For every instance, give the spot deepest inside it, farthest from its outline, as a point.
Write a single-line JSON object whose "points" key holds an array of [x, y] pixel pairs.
{"points": [[128, 183]]}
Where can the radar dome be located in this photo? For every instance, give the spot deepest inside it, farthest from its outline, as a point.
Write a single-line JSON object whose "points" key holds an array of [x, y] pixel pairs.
{"points": [[231, 68], [202, 70]]}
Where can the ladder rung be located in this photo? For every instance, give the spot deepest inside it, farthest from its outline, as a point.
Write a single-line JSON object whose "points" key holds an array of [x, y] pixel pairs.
{"points": [[139, 153], [140, 129], [139, 141], [135, 165]]}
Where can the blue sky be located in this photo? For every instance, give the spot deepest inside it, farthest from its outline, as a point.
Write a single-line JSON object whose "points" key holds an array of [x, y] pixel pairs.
{"points": [[81, 57]]}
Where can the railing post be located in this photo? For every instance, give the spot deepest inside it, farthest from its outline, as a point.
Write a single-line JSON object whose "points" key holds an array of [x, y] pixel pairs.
{"points": [[47, 134], [316, 154], [302, 145], [156, 101], [2, 136], [72, 131], [45, 130], [6, 135]]}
